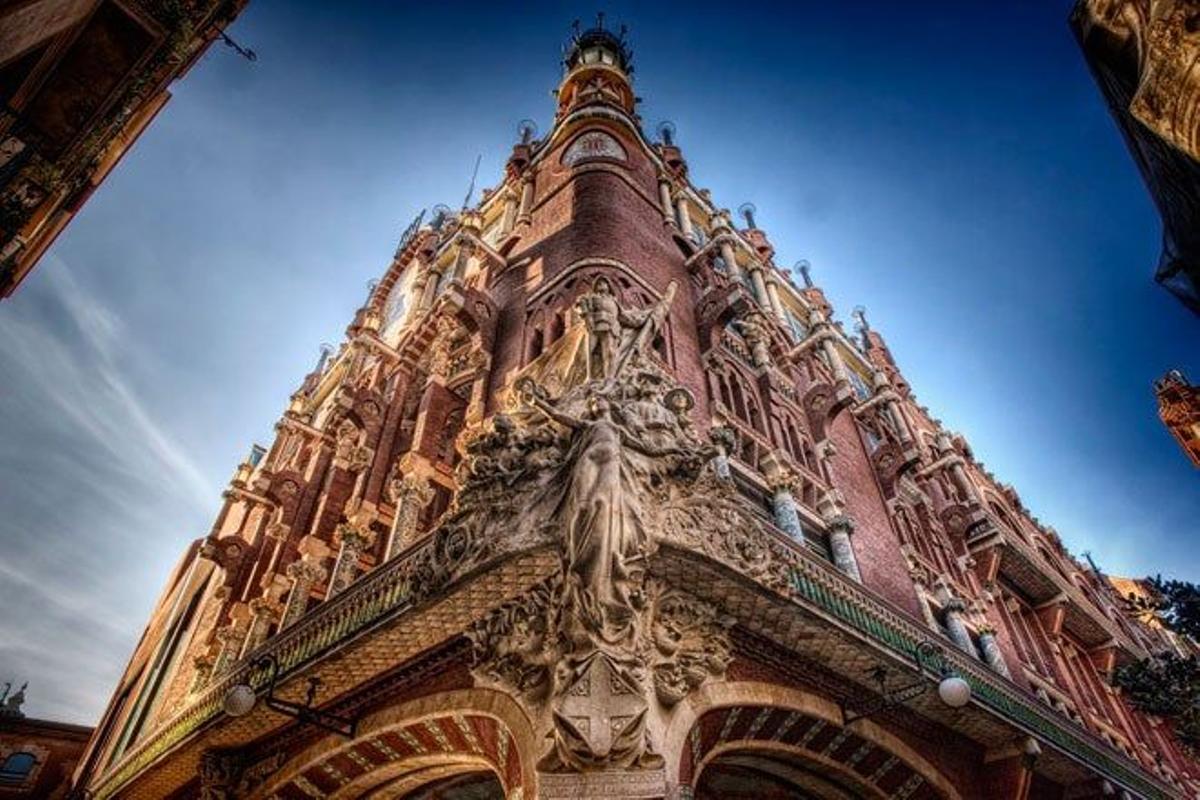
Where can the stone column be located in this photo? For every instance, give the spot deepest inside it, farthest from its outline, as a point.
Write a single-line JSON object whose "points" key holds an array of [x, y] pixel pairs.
{"points": [[784, 504], [432, 278], [410, 493], [526, 215], [727, 255], [262, 613], [664, 198], [776, 302], [891, 407], [991, 652], [958, 472], [304, 574], [685, 218], [952, 613], [351, 542], [230, 638], [835, 359], [840, 527], [759, 284], [509, 218]]}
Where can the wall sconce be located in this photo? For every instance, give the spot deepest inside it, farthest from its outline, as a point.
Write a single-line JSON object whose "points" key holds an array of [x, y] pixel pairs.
{"points": [[952, 689], [240, 699], [1030, 750]]}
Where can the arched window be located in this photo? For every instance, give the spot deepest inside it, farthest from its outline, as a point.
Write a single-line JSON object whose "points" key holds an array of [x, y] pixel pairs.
{"points": [[17, 767]]}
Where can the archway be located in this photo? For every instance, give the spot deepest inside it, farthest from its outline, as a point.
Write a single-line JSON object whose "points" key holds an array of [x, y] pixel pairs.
{"points": [[732, 744], [420, 750]]}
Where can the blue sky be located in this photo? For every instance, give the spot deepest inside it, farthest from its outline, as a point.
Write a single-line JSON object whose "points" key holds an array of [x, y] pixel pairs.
{"points": [[950, 166]]}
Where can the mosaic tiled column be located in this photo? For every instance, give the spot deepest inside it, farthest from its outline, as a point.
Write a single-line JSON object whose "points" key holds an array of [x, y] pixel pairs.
{"points": [[784, 505], [411, 494], [991, 652], [304, 574], [840, 527], [263, 612], [351, 542], [230, 638], [952, 613]]}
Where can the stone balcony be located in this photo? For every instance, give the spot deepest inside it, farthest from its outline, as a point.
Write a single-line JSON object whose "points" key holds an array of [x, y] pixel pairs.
{"points": [[999, 549], [393, 618]]}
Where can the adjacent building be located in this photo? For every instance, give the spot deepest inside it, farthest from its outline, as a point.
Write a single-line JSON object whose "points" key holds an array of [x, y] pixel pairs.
{"points": [[38, 757], [595, 500], [80, 80], [1143, 54], [1179, 410]]}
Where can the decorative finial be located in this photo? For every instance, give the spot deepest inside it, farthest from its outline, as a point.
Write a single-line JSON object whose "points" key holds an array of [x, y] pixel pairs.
{"points": [[803, 267], [860, 316], [747, 210], [600, 20], [440, 213], [527, 129], [326, 352], [666, 132]]}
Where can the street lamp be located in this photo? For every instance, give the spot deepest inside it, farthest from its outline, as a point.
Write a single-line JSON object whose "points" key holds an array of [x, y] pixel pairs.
{"points": [[952, 689], [241, 698]]}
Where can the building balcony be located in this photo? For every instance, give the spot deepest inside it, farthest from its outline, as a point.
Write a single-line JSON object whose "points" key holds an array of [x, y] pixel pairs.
{"points": [[404, 616]]}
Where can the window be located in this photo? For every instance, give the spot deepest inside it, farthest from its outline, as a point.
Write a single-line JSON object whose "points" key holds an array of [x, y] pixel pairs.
{"points": [[17, 768], [860, 385]]}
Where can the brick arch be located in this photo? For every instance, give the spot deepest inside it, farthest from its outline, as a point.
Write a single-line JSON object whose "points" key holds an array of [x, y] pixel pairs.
{"points": [[427, 739], [751, 717]]}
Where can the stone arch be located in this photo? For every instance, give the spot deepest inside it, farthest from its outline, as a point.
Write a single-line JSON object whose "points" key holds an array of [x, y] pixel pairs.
{"points": [[415, 743], [750, 716]]}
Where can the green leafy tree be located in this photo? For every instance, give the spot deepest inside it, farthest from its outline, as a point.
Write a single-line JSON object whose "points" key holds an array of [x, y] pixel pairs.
{"points": [[1167, 684]]}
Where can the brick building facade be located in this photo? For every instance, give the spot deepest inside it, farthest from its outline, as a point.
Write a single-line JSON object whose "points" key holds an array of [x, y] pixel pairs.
{"points": [[595, 500], [38, 757], [80, 80]]}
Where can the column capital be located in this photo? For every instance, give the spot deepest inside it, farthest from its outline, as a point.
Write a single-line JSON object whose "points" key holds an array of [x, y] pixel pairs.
{"points": [[348, 535], [306, 570]]}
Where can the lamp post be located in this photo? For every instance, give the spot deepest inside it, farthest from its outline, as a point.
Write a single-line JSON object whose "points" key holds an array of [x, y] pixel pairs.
{"points": [[951, 688], [241, 698]]}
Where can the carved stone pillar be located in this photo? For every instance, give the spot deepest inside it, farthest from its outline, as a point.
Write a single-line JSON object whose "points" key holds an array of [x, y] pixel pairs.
{"points": [[664, 198], [351, 542], [727, 255], [958, 472], [952, 613], [784, 505], [230, 638], [840, 527], [202, 671], [760, 284], [991, 652], [526, 215], [432, 278], [410, 493], [304, 574], [775, 301], [685, 218], [509, 219], [263, 612], [892, 407]]}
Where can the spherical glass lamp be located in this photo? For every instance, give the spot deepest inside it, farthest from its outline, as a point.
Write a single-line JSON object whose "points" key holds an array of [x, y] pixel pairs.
{"points": [[954, 691], [239, 700]]}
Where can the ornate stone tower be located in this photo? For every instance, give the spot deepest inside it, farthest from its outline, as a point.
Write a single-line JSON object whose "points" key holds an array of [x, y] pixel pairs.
{"points": [[596, 501], [1179, 410]]}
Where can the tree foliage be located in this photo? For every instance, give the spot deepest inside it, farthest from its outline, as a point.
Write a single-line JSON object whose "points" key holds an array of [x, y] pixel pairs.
{"points": [[1167, 684]]}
